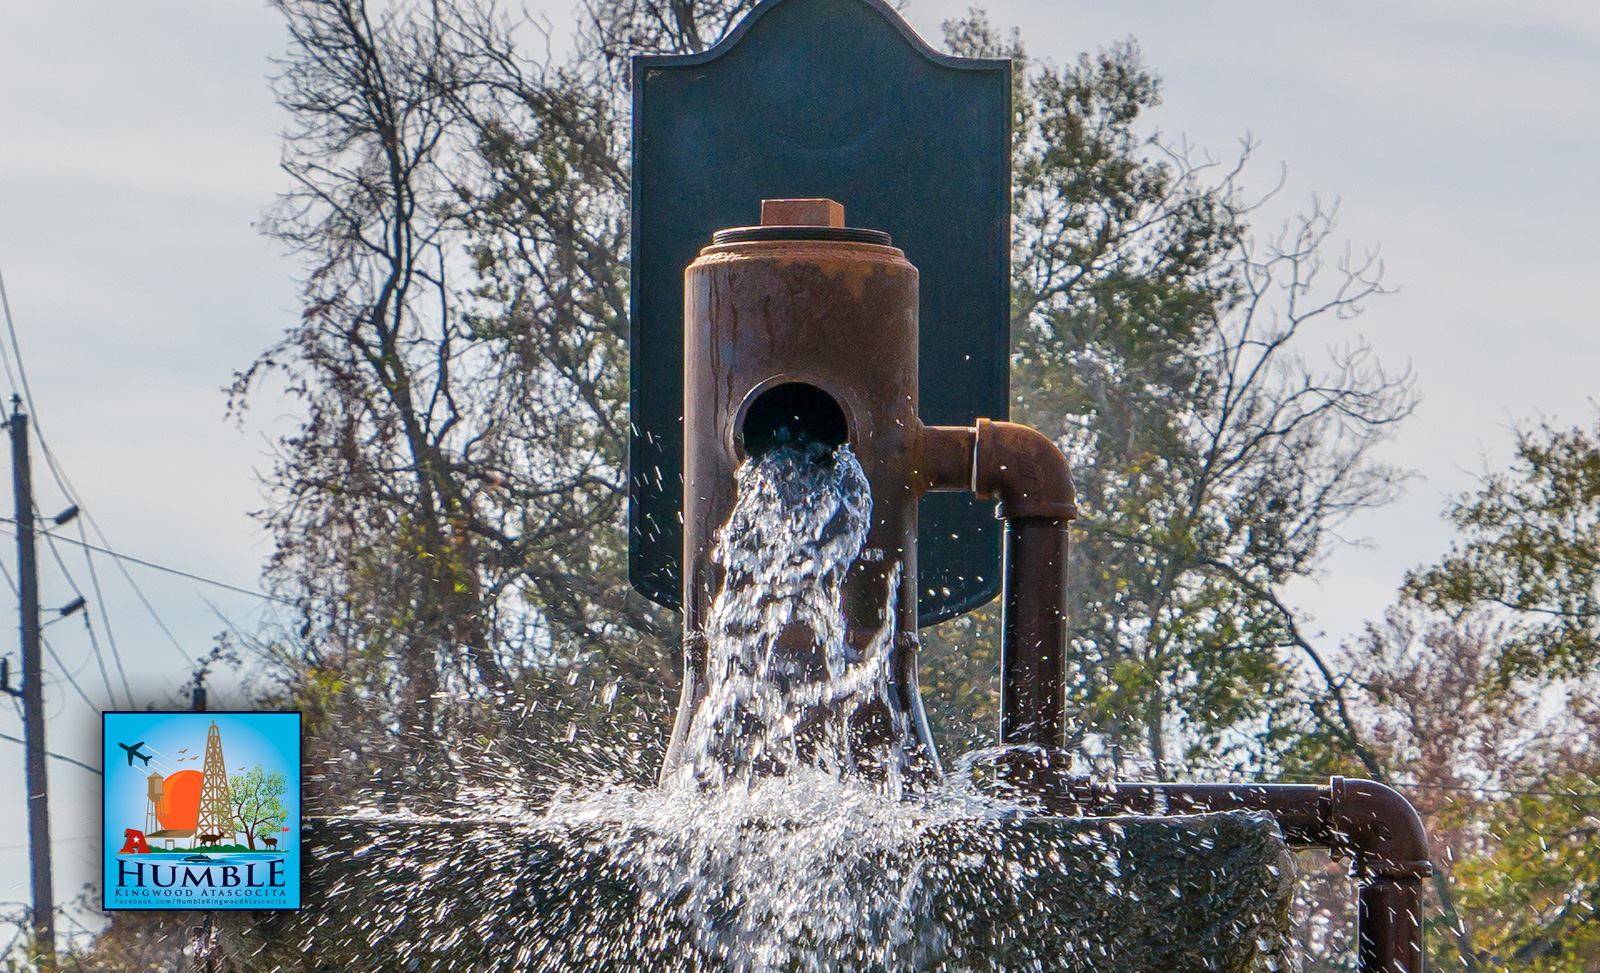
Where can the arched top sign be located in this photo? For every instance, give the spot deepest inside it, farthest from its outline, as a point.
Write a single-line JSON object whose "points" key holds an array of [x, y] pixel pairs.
{"points": [[838, 99]]}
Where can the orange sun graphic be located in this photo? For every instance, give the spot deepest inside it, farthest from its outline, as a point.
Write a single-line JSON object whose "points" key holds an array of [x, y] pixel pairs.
{"points": [[180, 800]]}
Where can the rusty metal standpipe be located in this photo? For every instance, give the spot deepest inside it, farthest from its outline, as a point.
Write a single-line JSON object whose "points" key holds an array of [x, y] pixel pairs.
{"points": [[809, 328]]}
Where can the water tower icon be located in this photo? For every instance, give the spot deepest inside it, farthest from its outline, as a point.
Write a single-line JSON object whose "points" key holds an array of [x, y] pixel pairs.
{"points": [[153, 790]]}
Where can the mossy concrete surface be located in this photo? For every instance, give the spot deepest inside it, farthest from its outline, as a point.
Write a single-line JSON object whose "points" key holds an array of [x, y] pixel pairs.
{"points": [[1120, 895]]}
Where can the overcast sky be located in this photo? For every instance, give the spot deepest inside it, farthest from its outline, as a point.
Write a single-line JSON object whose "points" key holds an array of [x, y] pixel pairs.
{"points": [[138, 146]]}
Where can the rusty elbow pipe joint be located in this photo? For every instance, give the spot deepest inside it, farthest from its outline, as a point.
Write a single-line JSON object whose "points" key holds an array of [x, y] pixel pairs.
{"points": [[1380, 829], [1390, 859], [1015, 465], [1020, 467]]}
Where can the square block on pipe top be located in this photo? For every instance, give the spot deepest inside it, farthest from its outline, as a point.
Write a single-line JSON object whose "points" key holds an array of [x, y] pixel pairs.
{"points": [[801, 212]]}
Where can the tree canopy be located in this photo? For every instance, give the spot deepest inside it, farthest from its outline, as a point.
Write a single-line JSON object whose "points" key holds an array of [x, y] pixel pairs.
{"points": [[1218, 411], [256, 800], [1530, 547]]}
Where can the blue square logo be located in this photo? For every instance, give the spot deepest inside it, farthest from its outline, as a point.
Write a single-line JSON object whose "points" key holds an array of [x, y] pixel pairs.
{"points": [[201, 810]]}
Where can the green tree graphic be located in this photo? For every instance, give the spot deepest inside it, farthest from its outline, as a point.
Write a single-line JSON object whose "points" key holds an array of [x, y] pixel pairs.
{"points": [[257, 803]]}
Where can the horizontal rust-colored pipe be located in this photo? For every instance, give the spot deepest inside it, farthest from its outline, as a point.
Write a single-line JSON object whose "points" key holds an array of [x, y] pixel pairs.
{"points": [[1372, 823], [1025, 474]]}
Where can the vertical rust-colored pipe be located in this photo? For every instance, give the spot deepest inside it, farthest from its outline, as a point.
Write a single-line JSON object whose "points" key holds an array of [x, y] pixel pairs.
{"points": [[1026, 474], [1034, 626], [1389, 925]]}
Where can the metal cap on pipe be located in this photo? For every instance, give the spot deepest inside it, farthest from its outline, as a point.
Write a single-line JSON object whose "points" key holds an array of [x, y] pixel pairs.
{"points": [[801, 219]]}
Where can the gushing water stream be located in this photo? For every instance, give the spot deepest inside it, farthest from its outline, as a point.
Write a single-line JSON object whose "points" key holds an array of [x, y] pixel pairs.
{"points": [[769, 844], [784, 684]]}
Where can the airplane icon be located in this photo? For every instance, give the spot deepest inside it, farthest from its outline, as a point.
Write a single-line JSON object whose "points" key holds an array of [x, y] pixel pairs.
{"points": [[133, 751]]}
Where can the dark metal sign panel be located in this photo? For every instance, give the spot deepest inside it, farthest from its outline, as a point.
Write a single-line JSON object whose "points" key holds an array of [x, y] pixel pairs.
{"points": [[837, 99]]}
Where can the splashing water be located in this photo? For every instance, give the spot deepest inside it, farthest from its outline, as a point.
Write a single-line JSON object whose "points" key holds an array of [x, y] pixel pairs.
{"points": [[808, 871], [771, 850], [770, 846], [784, 684]]}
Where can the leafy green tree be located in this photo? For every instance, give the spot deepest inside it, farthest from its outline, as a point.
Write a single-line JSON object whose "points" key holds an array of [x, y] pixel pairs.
{"points": [[1523, 872], [1530, 882], [1531, 550], [256, 799], [1177, 358], [1476, 696]]}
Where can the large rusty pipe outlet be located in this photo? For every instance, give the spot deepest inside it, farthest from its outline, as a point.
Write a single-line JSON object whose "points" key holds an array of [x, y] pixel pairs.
{"points": [[804, 331], [791, 413]]}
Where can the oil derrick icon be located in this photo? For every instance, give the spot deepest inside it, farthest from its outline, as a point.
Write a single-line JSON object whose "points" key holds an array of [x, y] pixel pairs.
{"points": [[215, 815]]}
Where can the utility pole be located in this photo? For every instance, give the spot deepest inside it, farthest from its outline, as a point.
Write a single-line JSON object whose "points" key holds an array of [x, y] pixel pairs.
{"points": [[44, 916]]}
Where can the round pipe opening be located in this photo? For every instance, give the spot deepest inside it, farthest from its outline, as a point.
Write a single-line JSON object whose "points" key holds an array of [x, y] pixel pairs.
{"points": [[794, 414]]}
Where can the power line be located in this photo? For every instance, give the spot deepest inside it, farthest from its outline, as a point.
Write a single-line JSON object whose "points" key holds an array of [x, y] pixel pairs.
{"points": [[16, 349], [157, 567], [127, 691], [72, 495], [11, 330], [60, 475], [105, 618], [1583, 795], [58, 756], [161, 567], [94, 643], [68, 676], [4, 357]]}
